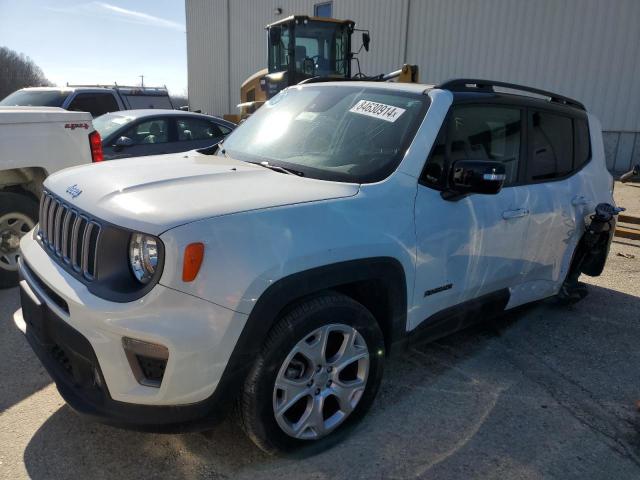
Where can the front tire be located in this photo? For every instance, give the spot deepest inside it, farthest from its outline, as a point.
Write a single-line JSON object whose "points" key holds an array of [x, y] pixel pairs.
{"points": [[317, 374], [18, 215]]}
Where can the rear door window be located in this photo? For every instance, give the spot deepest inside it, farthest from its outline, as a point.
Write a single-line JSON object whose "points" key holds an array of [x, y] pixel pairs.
{"points": [[551, 146], [197, 129], [95, 103]]}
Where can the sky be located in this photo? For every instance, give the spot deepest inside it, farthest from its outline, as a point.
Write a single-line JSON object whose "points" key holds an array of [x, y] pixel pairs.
{"points": [[90, 42]]}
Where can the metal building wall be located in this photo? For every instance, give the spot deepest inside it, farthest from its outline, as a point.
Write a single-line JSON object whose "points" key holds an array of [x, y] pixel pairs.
{"points": [[208, 55], [587, 49]]}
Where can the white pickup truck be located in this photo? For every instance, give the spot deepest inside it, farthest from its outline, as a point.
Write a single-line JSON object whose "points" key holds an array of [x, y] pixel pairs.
{"points": [[35, 142]]}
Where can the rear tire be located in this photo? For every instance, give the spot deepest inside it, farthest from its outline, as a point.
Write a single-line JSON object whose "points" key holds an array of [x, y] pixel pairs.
{"points": [[18, 215], [328, 352]]}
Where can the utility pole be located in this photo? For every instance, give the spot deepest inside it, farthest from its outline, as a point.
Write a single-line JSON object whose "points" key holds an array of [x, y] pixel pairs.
{"points": [[141, 80]]}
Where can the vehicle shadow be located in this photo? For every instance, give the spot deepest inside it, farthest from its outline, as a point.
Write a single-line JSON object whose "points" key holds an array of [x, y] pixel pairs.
{"points": [[21, 373], [455, 401]]}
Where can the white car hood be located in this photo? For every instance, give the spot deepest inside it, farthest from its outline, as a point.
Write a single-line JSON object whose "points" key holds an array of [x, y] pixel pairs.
{"points": [[156, 193]]}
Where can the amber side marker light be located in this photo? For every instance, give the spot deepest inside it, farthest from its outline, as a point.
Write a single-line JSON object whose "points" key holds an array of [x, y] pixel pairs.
{"points": [[193, 256]]}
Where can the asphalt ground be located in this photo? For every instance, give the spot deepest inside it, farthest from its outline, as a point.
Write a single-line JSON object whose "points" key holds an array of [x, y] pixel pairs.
{"points": [[547, 391]]}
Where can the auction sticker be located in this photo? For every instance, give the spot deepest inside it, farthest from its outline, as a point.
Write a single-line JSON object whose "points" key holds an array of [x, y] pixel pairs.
{"points": [[388, 113]]}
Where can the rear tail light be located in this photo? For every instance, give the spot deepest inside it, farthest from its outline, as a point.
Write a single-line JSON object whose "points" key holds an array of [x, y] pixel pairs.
{"points": [[97, 155]]}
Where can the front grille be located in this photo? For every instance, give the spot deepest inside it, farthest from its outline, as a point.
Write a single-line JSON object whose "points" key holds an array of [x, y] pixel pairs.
{"points": [[69, 235]]}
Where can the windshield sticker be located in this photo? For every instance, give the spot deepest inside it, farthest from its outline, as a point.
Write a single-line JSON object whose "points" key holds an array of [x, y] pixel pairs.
{"points": [[388, 113]]}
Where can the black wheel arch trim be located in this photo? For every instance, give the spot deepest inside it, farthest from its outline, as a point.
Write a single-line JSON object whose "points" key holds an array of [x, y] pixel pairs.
{"points": [[292, 288]]}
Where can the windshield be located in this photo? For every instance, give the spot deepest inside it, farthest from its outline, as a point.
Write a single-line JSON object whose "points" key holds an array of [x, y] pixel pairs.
{"points": [[109, 123], [320, 50], [35, 98], [342, 133]]}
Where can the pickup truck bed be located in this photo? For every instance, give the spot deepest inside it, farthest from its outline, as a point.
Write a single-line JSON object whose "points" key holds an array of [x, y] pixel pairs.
{"points": [[34, 142]]}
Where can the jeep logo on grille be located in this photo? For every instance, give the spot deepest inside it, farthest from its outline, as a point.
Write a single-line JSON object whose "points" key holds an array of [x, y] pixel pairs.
{"points": [[74, 191]]}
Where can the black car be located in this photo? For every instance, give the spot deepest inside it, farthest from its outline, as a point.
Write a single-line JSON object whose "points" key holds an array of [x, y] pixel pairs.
{"points": [[136, 133]]}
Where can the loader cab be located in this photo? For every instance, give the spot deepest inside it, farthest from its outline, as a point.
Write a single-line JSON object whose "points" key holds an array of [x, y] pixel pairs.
{"points": [[302, 47]]}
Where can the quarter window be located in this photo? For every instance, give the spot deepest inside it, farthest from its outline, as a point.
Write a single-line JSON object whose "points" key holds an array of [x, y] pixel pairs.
{"points": [[552, 146]]}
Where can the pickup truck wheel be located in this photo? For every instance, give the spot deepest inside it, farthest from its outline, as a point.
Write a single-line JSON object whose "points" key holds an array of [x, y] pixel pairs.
{"points": [[318, 373], [18, 215]]}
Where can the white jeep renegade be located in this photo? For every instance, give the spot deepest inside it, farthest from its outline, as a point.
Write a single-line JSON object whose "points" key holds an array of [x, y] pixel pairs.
{"points": [[276, 271]]}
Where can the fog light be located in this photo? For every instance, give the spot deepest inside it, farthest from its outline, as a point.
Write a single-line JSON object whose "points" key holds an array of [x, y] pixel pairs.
{"points": [[148, 361]]}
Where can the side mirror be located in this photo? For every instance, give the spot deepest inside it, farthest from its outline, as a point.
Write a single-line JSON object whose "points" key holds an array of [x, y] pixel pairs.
{"points": [[477, 176], [366, 40], [275, 34], [122, 142]]}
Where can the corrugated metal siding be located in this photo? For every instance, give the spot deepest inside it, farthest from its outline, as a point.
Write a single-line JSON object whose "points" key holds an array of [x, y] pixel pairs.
{"points": [[385, 21], [587, 49], [207, 55]]}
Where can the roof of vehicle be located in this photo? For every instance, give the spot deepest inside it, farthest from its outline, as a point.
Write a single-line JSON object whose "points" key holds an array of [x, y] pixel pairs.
{"points": [[292, 18], [465, 88], [154, 112], [62, 89], [125, 90]]}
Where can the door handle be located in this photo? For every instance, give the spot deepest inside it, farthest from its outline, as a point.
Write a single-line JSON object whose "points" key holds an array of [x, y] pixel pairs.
{"points": [[579, 200], [517, 213]]}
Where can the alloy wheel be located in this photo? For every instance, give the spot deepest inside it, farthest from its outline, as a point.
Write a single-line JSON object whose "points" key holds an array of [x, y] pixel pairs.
{"points": [[13, 226], [321, 381]]}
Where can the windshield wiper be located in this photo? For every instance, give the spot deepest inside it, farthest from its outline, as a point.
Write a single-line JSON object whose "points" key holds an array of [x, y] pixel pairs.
{"points": [[277, 168]]}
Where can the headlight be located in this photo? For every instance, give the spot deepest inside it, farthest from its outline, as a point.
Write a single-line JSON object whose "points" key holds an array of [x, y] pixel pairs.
{"points": [[143, 256]]}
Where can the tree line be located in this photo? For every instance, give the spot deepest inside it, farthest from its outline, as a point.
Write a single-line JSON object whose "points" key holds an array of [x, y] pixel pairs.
{"points": [[18, 71]]}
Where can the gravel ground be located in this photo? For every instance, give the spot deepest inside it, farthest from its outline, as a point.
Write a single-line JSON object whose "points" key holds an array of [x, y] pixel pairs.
{"points": [[628, 196], [544, 392]]}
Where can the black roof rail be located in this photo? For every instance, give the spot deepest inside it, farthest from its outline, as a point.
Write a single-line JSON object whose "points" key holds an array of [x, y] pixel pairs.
{"points": [[478, 85]]}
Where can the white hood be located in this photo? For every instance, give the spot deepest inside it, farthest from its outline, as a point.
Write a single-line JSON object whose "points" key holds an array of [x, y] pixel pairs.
{"points": [[153, 194]]}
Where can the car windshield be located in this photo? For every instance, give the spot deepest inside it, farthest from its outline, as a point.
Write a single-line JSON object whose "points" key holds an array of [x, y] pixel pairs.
{"points": [[35, 98], [331, 132], [110, 122]]}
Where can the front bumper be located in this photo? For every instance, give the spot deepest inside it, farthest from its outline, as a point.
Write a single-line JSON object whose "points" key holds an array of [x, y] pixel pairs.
{"points": [[78, 338]]}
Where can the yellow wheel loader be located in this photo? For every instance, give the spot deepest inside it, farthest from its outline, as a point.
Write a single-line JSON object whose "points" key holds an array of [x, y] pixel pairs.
{"points": [[305, 49]]}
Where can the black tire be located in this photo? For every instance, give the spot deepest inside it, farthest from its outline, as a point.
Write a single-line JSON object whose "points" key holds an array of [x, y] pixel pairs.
{"points": [[256, 409], [22, 204]]}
